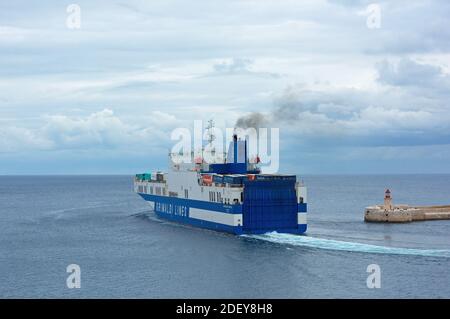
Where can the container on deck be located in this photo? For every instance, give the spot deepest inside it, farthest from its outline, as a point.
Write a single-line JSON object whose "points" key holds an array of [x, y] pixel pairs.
{"points": [[143, 177], [268, 177], [217, 178], [233, 179]]}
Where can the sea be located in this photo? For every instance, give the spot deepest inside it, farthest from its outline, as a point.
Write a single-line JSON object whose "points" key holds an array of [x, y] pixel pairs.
{"points": [[48, 223]]}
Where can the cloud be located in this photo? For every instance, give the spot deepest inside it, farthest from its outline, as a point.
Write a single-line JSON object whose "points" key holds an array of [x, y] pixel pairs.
{"points": [[404, 153], [96, 131], [18, 139], [100, 129], [352, 3], [409, 73], [163, 64], [340, 116], [239, 66], [234, 65]]}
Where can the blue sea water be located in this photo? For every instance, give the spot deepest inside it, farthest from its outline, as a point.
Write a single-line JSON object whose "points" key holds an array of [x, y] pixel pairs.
{"points": [[124, 250]]}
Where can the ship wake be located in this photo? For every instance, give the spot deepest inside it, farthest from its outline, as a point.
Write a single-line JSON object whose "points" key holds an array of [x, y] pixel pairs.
{"points": [[330, 244]]}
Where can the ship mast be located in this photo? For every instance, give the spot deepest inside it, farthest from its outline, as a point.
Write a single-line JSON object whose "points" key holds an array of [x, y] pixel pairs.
{"points": [[211, 136]]}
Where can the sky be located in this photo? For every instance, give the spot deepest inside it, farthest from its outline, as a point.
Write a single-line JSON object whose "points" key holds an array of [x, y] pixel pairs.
{"points": [[348, 96]]}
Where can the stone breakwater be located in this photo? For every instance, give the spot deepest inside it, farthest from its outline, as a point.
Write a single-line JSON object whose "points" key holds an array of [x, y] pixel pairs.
{"points": [[405, 213]]}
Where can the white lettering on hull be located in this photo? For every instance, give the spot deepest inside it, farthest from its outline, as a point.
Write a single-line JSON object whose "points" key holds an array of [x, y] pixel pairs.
{"points": [[172, 209]]}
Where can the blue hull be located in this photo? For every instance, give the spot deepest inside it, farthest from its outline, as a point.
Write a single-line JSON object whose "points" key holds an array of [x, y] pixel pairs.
{"points": [[218, 216]]}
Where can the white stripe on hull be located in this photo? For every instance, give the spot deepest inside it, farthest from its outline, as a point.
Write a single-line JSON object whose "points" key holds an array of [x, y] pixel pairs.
{"points": [[216, 217], [301, 218]]}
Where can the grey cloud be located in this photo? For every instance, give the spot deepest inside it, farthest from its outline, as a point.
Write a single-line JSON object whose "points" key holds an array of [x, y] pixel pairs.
{"points": [[291, 41], [396, 115], [407, 27], [410, 73]]}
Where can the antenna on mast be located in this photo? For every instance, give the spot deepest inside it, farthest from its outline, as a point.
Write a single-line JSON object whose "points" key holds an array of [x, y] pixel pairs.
{"points": [[211, 136], [210, 127]]}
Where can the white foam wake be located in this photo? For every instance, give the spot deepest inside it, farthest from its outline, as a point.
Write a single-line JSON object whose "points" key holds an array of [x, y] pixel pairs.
{"points": [[330, 244]]}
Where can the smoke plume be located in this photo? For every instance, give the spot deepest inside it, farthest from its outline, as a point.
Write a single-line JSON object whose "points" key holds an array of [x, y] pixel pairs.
{"points": [[287, 108], [252, 120]]}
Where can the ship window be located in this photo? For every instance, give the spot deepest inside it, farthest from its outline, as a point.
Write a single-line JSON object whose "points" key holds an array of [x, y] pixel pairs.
{"points": [[242, 196], [151, 190], [186, 195]]}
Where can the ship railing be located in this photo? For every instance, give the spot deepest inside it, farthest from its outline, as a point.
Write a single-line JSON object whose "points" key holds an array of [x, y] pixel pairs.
{"points": [[234, 185], [198, 158], [150, 181]]}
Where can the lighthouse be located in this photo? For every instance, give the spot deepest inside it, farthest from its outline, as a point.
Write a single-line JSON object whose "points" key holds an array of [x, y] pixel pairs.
{"points": [[387, 200]]}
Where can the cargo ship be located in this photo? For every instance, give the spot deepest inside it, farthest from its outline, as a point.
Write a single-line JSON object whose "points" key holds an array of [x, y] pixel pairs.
{"points": [[232, 196]]}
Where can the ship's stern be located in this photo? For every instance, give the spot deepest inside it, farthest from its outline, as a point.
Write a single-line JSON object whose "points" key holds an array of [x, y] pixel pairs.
{"points": [[274, 203]]}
